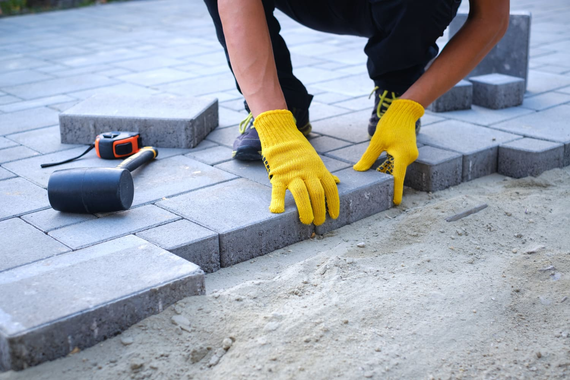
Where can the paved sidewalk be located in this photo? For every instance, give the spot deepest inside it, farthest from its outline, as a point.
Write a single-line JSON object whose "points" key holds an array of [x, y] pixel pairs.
{"points": [[193, 203]]}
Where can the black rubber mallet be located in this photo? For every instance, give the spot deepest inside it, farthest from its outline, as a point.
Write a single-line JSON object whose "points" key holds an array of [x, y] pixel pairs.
{"points": [[91, 190]]}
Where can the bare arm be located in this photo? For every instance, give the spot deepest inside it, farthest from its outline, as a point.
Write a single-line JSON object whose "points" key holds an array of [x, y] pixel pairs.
{"points": [[487, 23], [251, 54]]}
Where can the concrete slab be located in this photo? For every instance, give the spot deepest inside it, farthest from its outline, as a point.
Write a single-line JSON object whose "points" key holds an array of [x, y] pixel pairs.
{"points": [[435, 169], [158, 76], [529, 157], [20, 197], [16, 153], [47, 220], [7, 143], [459, 97], [54, 305], [478, 145], [5, 174], [253, 170], [247, 229], [26, 120], [44, 140], [352, 127], [497, 91], [112, 226], [323, 144], [551, 125], [22, 105], [224, 136], [188, 240], [352, 154], [212, 156], [163, 121]]}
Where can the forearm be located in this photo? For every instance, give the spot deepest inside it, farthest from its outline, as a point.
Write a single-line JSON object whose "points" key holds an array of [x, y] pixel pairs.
{"points": [[251, 54], [485, 26]]}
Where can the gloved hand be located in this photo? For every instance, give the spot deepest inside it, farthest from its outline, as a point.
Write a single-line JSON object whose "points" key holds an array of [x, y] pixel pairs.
{"points": [[292, 163], [395, 134]]}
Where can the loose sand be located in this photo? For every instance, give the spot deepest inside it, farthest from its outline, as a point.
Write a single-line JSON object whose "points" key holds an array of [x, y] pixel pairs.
{"points": [[482, 297]]}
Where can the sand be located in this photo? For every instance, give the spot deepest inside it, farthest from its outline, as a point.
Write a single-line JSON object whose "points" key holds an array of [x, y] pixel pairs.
{"points": [[402, 294]]}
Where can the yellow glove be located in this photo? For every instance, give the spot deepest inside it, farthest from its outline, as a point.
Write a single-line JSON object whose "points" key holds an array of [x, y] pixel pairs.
{"points": [[292, 163], [395, 134]]}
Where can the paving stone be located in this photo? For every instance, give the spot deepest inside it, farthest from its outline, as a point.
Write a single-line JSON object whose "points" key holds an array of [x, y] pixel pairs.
{"points": [[319, 111], [5, 174], [352, 127], [8, 99], [435, 169], [550, 125], [497, 91], [189, 241], [158, 76], [212, 156], [20, 197], [309, 74], [334, 165], [59, 86], [362, 194], [201, 86], [510, 56], [149, 63], [323, 144], [544, 101], [526, 156], [540, 82], [27, 119], [478, 145], [122, 89], [44, 140], [253, 170], [52, 306], [459, 97], [352, 154], [18, 106], [112, 226], [163, 121], [357, 104], [13, 78], [61, 107], [113, 73], [6, 143], [332, 97], [247, 229], [487, 117], [16, 153], [20, 63], [230, 118], [355, 85], [48, 220], [100, 57], [22, 244], [223, 136], [430, 118]]}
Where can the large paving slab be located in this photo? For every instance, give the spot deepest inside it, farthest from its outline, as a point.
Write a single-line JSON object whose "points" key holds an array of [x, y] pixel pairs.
{"points": [[27, 119], [22, 244], [241, 217], [50, 307], [551, 125], [18, 196], [478, 145], [524, 157], [162, 121]]}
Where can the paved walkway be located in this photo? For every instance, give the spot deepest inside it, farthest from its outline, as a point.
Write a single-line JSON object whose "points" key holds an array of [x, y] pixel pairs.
{"points": [[50, 62]]}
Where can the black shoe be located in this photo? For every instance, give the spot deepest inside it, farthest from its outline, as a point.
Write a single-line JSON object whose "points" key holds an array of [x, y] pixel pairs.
{"points": [[382, 100], [247, 146]]}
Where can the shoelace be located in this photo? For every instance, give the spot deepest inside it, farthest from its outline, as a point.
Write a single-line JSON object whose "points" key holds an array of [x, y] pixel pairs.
{"points": [[384, 102], [244, 123]]}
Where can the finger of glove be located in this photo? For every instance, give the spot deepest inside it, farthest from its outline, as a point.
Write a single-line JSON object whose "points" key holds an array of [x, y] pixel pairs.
{"points": [[369, 157], [336, 180], [299, 190], [277, 198], [331, 194], [399, 175], [317, 195]]}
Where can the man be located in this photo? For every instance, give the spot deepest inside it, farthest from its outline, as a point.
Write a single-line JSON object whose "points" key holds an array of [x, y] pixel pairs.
{"points": [[401, 42]]}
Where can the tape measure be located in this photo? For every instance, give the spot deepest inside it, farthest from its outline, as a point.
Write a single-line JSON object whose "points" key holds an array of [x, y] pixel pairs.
{"points": [[110, 145]]}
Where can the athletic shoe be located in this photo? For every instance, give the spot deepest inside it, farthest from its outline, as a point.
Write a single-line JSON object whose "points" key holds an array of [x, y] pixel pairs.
{"points": [[383, 99]]}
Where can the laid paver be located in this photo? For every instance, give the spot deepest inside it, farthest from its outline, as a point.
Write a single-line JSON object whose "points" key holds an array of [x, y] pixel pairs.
{"points": [[524, 157], [478, 145], [162, 121], [253, 170], [361, 194], [188, 240], [544, 101], [122, 89], [246, 227], [16, 153], [5, 174], [157, 76], [212, 156], [350, 127], [52, 306], [148, 63], [44, 140], [99, 57], [540, 82], [323, 144], [353, 153], [8, 99], [112, 226], [47, 220], [18, 196], [551, 125], [20, 63], [333, 164], [22, 105], [223, 136], [6, 143], [435, 169], [497, 91], [26, 120], [354, 85], [22, 244], [459, 97], [486, 116], [13, 78]]}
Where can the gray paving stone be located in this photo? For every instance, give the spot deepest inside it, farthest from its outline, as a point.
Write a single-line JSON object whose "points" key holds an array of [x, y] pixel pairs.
{"points": [[8, 99], [362, 194], [59, 86], [20, 197], [112, 226], [551, 125], [334, 165], [357, 104], [352, 127], [122, 89], [435, 169], [52, 306], [22, 244], [540, 82], [319, 111], [189, 241], [544, 101], [252, 170], [61, 107], [163, 121], [25, 120], [332, 97], [497, 91], [310, 74], [212, 156], [229, 118], [5, 174], [113, 73], [510, 56], [16, 153], [323, 144], [13, 78], [158, 76], [44, 140], [6, 143], [485, 116], [478, 145], [355, 85], [526, 156], [353, 153], [20, 63], [18, 106], [223, 136], [149, 63], [201, 86], [459, 97], [247, 229], [100, 57], [47, 220]]}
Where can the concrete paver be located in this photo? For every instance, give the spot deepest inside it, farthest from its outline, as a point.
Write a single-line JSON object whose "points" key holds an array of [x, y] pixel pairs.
{"points": [[18, 196], [524, 157]]}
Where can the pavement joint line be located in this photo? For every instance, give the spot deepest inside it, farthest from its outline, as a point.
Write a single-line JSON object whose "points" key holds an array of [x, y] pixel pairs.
{"points": [[23, 213]]}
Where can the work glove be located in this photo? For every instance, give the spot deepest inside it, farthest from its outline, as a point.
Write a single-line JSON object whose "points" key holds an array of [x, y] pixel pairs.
{"points": [[292, 163], [396, 135]]}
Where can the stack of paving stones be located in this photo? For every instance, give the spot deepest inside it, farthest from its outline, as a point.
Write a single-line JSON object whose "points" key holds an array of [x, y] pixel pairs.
{"points": [[69, 281]]}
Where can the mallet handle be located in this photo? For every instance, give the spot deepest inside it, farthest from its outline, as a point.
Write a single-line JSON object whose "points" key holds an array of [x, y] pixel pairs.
{"points": [[146, 154]]}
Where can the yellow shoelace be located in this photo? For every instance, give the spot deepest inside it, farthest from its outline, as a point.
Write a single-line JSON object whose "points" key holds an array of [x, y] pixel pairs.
{"points": [[384, 101], [244, 123]]}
